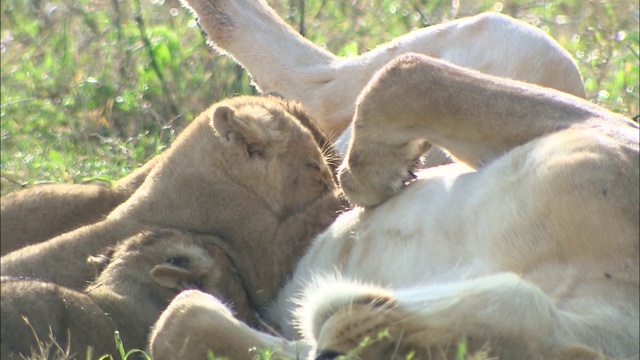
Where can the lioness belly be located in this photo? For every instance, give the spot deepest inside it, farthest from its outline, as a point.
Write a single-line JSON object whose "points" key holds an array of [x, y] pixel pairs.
{"points": [[454, 224]]}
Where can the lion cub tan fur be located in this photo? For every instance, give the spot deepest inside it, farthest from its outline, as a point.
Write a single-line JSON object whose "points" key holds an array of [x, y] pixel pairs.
{"points": [[36, 214], [250, 170], [145, 272]]}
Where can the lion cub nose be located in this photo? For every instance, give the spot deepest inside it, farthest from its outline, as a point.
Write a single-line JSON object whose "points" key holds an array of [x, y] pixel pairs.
{"points": [[328, 355]]}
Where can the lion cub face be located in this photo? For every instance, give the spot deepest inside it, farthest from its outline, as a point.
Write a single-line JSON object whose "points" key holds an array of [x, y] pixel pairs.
{"points": [[273, 149]]}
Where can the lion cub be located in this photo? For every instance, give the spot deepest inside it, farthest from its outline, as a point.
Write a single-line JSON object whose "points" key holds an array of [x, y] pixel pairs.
{"points": [[33, 215], [253, 172], [144, 273]]}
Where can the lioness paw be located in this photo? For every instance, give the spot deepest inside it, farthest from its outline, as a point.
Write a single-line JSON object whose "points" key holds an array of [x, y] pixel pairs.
{"points": [[369, 194], [369, 178]]}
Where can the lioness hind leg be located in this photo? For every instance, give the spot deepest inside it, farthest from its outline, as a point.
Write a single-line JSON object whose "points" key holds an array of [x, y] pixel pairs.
{"points": [[281, 61], [501, 314], [476, 117]]}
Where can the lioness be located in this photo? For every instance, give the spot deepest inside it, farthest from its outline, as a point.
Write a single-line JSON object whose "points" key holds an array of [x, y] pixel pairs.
{"points": [[281, 61], [527, 247], [143, 274], [250, 171]]}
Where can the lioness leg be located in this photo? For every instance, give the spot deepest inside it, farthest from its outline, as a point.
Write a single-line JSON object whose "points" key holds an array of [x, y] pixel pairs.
{"points": [[281, 61], [417, 100], [500, 311]]}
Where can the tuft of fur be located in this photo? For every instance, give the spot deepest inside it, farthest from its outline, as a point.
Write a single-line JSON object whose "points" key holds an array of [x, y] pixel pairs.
{"points": [[315, 305]]}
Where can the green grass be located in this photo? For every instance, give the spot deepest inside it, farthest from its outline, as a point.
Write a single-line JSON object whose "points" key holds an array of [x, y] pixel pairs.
{"points": [[51, 349], [91, 89]]}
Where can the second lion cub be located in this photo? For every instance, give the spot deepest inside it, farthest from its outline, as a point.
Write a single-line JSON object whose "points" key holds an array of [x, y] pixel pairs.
{"points": [[144, 273]]}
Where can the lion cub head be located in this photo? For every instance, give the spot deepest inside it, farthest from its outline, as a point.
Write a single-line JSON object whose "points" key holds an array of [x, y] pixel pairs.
{"points": [[240, 159], [254, 172], [281, 149]]}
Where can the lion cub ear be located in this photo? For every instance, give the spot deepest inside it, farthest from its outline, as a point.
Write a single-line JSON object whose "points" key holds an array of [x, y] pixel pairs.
{"points": [[224, 121], [252, 127], [172, 277]]}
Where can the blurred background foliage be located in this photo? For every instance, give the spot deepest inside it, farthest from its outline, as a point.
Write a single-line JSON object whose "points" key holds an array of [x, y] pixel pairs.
{"points": [[91, 89]]}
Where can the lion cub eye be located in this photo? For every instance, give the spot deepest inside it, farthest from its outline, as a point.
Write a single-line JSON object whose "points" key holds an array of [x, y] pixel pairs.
{"points": [[179, 261], [255, 151], [313, 166]]}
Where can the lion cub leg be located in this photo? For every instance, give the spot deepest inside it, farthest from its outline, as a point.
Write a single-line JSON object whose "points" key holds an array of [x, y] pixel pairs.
{"points": [[37, 214], [40, 213], [196, 323], [476, 117]]}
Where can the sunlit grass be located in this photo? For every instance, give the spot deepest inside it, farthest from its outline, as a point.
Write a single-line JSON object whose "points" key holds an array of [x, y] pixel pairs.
{"points": [[51, 349]]}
